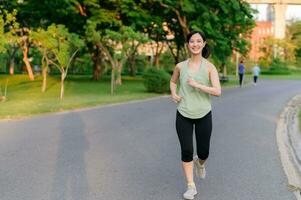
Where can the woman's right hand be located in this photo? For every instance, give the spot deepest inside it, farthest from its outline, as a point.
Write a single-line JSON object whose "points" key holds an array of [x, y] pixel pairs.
{"points": [[176, 98]]}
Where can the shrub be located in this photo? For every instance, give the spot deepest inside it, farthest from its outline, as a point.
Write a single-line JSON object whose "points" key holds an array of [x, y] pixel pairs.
{"points": [[167, 61], [276, 72], [277, 67], [156, 80]]}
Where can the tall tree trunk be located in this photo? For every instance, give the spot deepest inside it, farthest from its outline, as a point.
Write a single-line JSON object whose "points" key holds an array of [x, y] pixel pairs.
{"points": [[64, 72], [12, 66], [134, 54], [44, 72], [156, 60], [113, 64], [176, 54], [158, 52], [132, 59], [224, 67], [62, 84], [45, 64], [119, 70], [27, 63], [97, 68], [96, 71], [11, 61], [112, 80], [133, 69]]}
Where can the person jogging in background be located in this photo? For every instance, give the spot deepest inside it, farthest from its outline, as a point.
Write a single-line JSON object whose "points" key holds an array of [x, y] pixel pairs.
{"points": [[241, 72], [198, 80], [256, 72]]}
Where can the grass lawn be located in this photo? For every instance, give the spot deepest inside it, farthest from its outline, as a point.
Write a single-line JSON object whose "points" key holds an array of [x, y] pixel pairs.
{"points": [[24, 97]]}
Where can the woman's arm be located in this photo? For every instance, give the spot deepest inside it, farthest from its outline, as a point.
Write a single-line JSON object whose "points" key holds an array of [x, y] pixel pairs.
{"points": [[173, 84], [215, 89]]}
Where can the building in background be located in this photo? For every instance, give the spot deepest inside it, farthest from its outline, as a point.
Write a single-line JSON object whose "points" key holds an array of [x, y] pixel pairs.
{"points": [[271, 24], [263, 30]]}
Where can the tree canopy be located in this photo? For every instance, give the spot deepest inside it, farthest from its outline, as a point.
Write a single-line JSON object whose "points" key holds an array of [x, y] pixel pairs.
{"points": [[227, 24]]}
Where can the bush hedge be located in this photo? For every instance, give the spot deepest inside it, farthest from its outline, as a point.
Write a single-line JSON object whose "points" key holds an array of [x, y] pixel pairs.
{"points": [[277, 67], [156, 80]]}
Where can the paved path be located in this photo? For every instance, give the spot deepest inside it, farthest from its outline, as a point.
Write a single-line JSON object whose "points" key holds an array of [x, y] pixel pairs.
{"points": [[131, 151]]}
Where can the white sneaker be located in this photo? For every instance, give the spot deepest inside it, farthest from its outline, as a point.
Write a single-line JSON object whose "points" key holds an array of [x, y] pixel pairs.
{"points": [[200, 169], [190, 192]]}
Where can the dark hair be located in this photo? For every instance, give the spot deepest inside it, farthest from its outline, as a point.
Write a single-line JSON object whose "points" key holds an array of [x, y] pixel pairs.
{"points": [[206, 49]]}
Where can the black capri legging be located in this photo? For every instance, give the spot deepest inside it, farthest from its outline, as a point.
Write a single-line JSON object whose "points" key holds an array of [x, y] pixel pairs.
{"points": [[203, 129]]}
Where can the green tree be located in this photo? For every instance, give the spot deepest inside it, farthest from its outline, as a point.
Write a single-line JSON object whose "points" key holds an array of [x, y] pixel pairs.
{"points": [[78, 16], [34, 14], [227, 24], [99, 48], [41, 14], [44, 41], [294, 35], [102, 16], [283, 49], [2, 36], [145, 17], [124, 47], [267, 50], [58, 48], [9, 39]]}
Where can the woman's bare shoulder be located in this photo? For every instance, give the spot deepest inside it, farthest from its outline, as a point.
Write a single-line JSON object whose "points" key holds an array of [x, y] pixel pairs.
{"points": [[181, 64], [210, 65]]}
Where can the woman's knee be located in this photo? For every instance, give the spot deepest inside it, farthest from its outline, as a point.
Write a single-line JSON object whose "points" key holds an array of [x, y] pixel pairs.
{"points": [[203, 155], [187, 156]]}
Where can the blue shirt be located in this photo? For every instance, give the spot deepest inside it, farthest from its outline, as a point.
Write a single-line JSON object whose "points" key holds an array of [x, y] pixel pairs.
{"points": [[241, 68]]}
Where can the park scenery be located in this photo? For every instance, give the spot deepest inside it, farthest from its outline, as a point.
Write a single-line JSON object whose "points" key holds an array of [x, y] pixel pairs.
{"points": [[85, 107]]}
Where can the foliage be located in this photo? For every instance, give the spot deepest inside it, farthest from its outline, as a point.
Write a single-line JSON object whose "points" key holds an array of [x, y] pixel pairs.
{"points": [[167, 61], [106, 23], [141, 64], [286, 49], [2, 37], [58, 43], [8, 25], [227, 24], [156, 80], [58, 48], [124, 43], [41, 14], [294, 34], [264, 63], [277, 67]]}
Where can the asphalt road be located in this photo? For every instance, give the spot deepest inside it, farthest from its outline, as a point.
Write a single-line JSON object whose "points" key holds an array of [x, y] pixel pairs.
{"points": [[131, 152]]}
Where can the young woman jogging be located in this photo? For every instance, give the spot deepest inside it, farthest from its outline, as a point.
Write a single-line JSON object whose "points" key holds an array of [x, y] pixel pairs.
{"points": [[198, 80]]}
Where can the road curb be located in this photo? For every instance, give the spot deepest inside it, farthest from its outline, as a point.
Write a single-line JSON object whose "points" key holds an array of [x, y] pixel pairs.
{"points": [[289, 144]]}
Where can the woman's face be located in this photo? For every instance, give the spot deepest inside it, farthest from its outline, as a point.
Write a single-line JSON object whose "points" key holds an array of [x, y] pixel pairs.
{"points": [[196, 44]]}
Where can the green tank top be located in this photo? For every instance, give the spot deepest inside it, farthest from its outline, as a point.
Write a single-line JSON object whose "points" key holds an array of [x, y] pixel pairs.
{"points": [[194, 103]]}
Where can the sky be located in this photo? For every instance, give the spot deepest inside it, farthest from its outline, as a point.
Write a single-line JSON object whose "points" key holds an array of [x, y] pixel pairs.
{"points": [[292, 11]]}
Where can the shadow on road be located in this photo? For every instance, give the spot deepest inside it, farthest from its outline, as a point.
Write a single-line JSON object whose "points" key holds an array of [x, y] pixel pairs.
{"points": [[70, 179]]}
